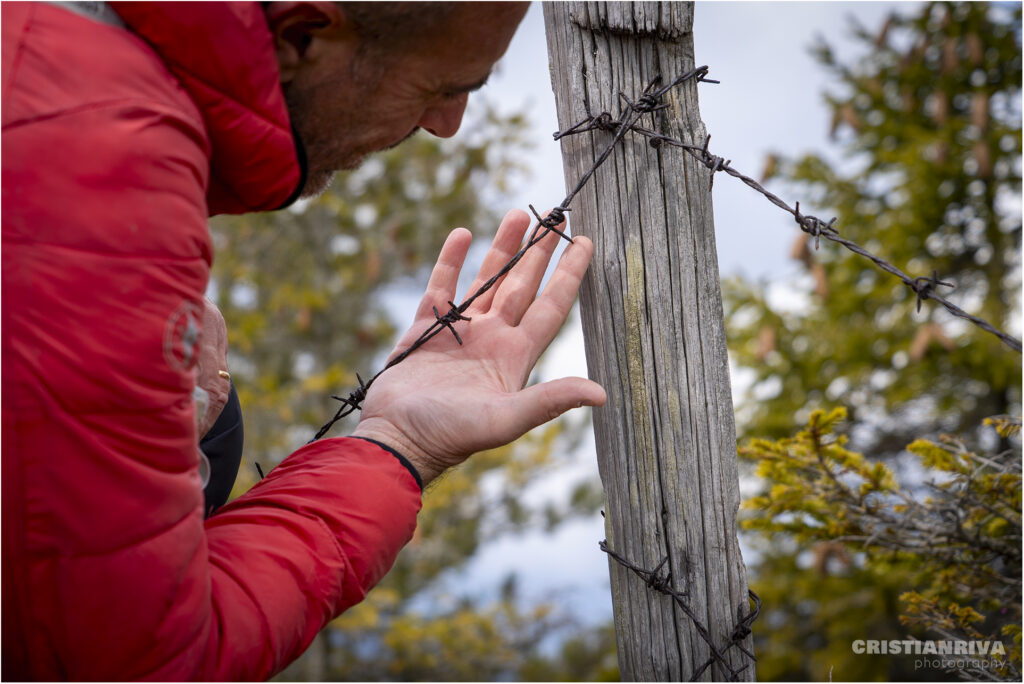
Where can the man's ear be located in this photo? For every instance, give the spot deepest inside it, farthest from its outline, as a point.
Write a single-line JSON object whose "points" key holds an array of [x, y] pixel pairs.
{"points": [[302, 31]]}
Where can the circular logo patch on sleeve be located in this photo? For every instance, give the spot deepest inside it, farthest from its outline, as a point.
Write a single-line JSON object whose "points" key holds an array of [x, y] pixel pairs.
{"points": [[181, 336]]}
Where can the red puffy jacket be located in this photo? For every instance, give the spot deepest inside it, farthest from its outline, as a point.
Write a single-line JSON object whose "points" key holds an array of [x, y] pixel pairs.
{"points": [[117, 145]]}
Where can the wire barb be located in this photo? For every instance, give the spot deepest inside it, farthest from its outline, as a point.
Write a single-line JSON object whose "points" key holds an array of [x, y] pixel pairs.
{"points": [[663, 585], [550, 222], [814, 226], [355, 398], [628, 121], [660, 578], [923, 286], [449, 318]]}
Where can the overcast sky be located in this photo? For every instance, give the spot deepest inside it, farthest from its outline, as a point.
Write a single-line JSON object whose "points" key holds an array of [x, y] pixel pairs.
{"points": [[770, 100]]}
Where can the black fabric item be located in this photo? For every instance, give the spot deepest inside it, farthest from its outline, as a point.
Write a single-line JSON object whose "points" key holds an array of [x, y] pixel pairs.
{"points": [[401, 459], [223, 447]]}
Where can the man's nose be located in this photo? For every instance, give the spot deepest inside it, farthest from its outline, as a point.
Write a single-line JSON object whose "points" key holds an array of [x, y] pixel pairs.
{"points": [[444, 119]]}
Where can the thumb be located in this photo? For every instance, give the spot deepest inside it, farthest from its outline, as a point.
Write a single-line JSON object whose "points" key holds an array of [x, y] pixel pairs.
{"points": [[538, 404]]}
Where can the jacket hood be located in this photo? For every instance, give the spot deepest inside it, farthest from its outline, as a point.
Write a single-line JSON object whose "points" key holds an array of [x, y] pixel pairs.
{"points": [[223, 55]]}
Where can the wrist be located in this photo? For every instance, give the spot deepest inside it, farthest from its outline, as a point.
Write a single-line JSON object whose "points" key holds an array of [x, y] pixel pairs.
{"points": [[381, 431]]}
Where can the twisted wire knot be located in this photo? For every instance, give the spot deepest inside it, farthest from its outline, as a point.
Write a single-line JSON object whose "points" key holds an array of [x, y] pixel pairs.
{"points": [[712, 161], [601, 122], [656, 140], [658, 582], [355, 398], [450, 317], [923, 286], [741, 630], [554, 218], [702, 76], [648, 103], [812, 225], [604, 122]]}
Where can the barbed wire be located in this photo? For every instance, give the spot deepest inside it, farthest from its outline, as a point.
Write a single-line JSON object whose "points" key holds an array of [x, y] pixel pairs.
{"points": [[663, 584], [924, 287], [630, 116], [628, 121]]}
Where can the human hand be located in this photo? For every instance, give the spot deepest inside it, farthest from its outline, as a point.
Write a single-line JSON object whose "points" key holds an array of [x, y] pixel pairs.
{"points": [[446, 401], [211, 361]]}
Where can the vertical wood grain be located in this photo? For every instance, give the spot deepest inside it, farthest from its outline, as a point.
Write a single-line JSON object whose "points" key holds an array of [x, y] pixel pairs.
{"points": [[654, 335]]}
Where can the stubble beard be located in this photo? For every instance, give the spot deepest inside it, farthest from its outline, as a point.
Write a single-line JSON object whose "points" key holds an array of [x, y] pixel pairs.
{"points": [[316, 184], [322, 137], [323, 128], [325, 159]]}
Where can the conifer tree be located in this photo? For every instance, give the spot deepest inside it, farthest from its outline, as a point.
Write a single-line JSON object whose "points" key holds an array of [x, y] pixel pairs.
{"points": [[928, 120]]}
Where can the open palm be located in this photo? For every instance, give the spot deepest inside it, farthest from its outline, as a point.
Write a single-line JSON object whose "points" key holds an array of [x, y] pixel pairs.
{"points": [[446, 401]]}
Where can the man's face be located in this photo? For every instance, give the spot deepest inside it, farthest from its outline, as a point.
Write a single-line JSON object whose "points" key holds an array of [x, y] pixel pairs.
{"points": [[355, 104]]}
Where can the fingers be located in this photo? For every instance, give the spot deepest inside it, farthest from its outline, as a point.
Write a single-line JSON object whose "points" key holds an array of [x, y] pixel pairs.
{"points": [[445, 276], [546, 315], [215, 331], [211, 371], [538, 404], [519, 288], [507, 242]]}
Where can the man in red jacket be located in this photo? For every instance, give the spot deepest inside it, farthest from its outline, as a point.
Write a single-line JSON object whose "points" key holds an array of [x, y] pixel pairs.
{"points": [[124, 127]]}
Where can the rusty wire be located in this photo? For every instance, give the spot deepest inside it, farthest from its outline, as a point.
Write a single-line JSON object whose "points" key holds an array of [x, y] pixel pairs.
{"points": [[631, 113], [662, 583], [924, 287], [628, 121], [649, 102]]}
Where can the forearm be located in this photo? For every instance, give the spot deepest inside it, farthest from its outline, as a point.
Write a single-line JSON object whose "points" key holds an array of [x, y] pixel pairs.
{"points": [[303, 545]]}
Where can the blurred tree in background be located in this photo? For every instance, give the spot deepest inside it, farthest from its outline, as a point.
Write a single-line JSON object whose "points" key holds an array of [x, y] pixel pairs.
{"points": [[944, 558], [305, 293], [929, 120], [930, 123]]}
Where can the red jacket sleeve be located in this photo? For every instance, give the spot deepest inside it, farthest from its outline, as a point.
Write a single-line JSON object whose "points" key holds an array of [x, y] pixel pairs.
{"points": [[306, 543], [109, 571]]}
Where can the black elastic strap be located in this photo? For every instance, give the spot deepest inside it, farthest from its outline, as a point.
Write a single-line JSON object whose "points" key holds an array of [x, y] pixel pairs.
{"points": [[223, 448], [401, 459]]}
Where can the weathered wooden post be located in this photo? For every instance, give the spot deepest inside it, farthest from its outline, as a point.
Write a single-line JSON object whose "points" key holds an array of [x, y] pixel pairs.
{"points": [[655, 339]]}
